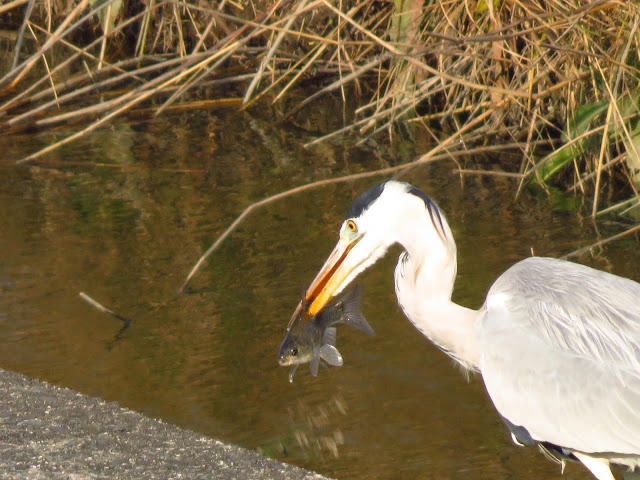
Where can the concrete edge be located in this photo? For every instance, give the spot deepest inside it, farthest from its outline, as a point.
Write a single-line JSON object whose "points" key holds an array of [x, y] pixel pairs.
{"points": [[49, 432]]}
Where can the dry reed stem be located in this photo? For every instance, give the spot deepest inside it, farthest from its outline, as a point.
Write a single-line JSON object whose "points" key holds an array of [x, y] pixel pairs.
{"points": [[272, 51], [46, 65], [23, 95], [131, 99], [190, 106], [600, 243], [18, 45], [337, 84], [66, 163], [488, 173], [307, 65], [190, 84], [83, 52], [22, 69], [76, 92], [11, 5], [144, 29], [426, 158], [80, 92], [319, 50], [198, 75], [613, 107], [273, 198], [518, 70]]}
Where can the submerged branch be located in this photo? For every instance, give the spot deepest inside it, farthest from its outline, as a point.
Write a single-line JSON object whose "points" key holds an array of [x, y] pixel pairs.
{"points": [[126, 321]]}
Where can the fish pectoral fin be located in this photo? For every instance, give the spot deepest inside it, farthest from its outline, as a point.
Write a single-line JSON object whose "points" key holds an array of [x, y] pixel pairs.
{"points": [[313, 365], [351, 310], [329, 336], [331, 355], [291, 372]]}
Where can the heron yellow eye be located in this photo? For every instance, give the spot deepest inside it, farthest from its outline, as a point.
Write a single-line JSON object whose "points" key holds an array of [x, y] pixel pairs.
{"points": [[351, 226]]}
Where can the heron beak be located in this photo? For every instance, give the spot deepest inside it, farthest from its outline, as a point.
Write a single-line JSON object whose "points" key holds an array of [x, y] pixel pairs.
{"points": [[331, 277], [327, 282]]}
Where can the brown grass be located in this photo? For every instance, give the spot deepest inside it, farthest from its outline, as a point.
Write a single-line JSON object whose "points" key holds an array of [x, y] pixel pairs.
{"points": [[531, 73]]}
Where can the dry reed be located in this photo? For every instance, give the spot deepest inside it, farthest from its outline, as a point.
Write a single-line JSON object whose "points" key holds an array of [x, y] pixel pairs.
{"points": [[560, 72]]}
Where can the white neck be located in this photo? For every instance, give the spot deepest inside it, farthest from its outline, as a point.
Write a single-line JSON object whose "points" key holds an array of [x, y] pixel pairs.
{"points": [[424, 280]]}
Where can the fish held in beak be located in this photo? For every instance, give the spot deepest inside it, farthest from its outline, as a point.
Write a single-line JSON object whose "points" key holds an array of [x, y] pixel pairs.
{"points": [[329, 281]]}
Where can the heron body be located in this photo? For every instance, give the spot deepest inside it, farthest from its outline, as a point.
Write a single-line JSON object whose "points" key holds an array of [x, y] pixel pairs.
{"points": [[557, 343]]}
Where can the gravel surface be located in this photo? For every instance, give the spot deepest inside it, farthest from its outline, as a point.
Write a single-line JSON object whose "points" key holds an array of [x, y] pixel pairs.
{"points": [[47, 432]]}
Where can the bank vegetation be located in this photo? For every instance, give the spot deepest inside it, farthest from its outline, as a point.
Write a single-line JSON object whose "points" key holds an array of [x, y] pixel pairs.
{"points": [[556, 81]]}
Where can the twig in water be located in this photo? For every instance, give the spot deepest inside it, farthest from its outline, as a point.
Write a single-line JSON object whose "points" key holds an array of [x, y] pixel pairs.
{"points": [[125, 321]]}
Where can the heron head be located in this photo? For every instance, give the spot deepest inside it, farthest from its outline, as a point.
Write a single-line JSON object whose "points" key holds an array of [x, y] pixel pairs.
{"points": [[383, 215]]}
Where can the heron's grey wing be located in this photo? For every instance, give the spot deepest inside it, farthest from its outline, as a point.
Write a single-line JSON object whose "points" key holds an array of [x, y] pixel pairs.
{"points": [[559, 348], [574, 308]]}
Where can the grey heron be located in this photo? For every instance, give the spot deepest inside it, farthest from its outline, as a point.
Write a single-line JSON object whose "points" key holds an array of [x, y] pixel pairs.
{"points": [[557, 343]]}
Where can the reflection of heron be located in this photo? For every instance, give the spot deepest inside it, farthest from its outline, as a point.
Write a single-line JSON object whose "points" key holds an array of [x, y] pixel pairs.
{"points": [[557, 344]]}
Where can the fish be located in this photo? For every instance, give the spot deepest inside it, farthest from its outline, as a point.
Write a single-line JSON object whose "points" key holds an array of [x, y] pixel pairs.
{"points": [[311, 339]]}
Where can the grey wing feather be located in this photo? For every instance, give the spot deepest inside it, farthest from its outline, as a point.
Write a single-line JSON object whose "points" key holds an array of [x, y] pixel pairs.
{"points": [[575, 308], [575, 334]]}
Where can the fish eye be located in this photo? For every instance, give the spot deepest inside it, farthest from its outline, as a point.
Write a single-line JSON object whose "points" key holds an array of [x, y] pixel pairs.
{"points": [[294, 351], [351, 226]]}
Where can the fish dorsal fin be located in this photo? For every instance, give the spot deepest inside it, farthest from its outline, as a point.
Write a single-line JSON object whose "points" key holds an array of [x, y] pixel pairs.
{"points": [[351, 310], [331, 355], [313, 365], [329, 336]]}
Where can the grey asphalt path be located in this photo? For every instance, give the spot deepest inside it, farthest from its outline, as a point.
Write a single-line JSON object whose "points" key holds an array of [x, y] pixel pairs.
{"points": [[47, 432]]}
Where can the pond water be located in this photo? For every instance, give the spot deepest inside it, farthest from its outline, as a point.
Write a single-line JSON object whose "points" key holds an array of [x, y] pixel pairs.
{"points": [[128, 233]]}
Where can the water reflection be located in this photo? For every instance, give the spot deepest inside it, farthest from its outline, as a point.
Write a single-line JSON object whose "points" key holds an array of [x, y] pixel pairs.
{"points": [[128, 234]]}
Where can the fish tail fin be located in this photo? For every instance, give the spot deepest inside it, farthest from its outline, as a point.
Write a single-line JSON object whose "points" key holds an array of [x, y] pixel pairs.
{"points": [[351, 309]]}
